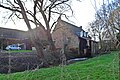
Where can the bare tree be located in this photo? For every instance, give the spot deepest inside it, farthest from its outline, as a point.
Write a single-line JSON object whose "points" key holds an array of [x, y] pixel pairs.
{"points": [[114, 22], [35, 12], [92, 31], [97, 30], [110, 16], [103, 25]]}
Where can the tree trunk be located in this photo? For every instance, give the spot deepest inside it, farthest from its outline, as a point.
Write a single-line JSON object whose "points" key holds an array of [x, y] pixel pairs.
{"points": [[40, 53], [100, 45], [52, 45], [50, 40], [39, 47], [32, 35]]}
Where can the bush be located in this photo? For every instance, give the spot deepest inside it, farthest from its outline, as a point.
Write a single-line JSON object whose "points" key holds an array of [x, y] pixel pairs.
{"points": [[118, 36]]}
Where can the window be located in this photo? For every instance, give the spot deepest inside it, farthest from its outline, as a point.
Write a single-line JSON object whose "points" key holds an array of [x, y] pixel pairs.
{"points": [[86, 34], [78, 33], [81, 34]]}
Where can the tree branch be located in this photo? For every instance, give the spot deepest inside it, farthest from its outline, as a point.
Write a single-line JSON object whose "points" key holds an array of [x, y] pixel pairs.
{"points": [[23, 12], [11, 9], [62, 2]]}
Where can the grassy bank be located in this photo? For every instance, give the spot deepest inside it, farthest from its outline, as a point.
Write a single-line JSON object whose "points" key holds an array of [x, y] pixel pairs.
{"points": [[104, 67]]}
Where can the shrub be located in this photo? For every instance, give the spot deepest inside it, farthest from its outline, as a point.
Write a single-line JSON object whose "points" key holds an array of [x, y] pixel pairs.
{"points": [[118, 36]]}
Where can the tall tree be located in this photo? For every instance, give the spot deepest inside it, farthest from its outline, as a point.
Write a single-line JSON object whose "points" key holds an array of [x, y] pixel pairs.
{"points": [[36, 11], [103, 24], [110, 15]]}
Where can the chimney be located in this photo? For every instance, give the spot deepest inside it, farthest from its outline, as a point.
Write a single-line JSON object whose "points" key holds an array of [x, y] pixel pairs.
{"points": [[81, 27]]}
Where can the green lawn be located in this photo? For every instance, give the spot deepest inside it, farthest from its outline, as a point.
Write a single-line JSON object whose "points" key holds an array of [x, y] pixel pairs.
{"points": [[104, 67], [16, 51]]}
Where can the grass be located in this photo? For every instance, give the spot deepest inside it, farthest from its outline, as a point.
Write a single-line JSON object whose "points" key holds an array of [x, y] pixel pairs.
{"points": [[16, 51], [104, 67]]}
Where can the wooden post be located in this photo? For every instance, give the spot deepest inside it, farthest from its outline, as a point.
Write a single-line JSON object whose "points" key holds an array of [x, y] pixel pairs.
{"points": [[9, 63]]}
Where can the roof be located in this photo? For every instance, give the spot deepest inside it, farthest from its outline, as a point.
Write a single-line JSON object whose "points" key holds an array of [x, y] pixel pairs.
{"points": [[12, 33], [75, 29]]}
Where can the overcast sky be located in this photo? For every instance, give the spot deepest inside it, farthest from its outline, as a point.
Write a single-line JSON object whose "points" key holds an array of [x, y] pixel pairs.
{"points": [[84, 12]]}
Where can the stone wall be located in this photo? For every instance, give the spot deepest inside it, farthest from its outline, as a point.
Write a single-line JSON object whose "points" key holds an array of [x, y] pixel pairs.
{"points": [[62, 33], [15, 62]]}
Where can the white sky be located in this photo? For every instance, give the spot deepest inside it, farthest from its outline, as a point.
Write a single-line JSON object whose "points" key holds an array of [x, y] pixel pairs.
{"points": [[84, 13]]}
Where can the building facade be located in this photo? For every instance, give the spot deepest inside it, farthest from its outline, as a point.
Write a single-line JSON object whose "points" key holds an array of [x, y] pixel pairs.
{"points": [[74, 37]]}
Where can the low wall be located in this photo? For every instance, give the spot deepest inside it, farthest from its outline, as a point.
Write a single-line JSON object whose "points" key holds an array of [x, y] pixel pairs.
{"points": [[15, 62]]}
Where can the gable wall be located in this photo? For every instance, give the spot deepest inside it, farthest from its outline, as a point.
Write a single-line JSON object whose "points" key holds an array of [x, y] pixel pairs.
{"points": [[61, 33]]}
